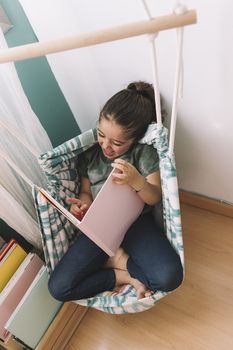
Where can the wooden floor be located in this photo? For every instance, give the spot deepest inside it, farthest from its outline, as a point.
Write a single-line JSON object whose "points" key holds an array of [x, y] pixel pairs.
{"points": [[198, 316]]}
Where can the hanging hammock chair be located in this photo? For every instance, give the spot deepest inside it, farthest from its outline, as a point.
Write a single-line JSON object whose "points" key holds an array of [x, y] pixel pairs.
{"points": [[60, 166], [61, 169]]}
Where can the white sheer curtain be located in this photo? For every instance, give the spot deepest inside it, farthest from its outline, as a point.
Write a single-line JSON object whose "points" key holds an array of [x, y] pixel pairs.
{"points": [[17, 120]]}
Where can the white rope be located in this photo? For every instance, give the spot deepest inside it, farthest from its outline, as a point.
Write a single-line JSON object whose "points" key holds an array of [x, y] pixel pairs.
{"points": [[175, 5], [178, 83], [14, 133], [180, 9], [155, 77], [154, 64], [147, 9], [17, 169], [178, 86]]}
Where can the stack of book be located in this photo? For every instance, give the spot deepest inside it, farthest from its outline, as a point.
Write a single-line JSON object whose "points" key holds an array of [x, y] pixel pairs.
{"points": [[2, 244], [26, 306], [11, 256]]}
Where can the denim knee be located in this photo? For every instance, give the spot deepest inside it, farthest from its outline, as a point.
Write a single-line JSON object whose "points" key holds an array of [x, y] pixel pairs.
{"points": [[56, 290], [167, 278]]}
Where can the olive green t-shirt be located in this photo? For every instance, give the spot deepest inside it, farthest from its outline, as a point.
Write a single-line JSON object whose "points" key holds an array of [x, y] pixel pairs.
{"points": [[96, 167]]}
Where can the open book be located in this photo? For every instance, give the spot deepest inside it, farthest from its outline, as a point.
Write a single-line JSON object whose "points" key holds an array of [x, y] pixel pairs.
{"points": [[110, 215]]}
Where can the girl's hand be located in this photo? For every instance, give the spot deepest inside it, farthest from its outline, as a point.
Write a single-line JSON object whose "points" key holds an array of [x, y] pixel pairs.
{"points": [[78, 208], [127, 174]]}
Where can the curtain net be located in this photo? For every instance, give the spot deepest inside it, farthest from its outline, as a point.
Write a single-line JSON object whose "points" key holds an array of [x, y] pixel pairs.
{"points": [[19, 123]]}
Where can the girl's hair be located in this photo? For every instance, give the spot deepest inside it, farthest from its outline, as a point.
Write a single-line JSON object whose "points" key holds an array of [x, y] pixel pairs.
{"points": [[132, 108]]}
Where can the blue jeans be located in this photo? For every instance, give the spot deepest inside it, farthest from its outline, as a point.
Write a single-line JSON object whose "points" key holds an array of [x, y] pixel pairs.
{"points": [[152, 260]]}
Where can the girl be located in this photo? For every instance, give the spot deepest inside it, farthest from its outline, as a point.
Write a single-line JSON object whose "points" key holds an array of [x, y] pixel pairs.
{"points": [[146, 260]]}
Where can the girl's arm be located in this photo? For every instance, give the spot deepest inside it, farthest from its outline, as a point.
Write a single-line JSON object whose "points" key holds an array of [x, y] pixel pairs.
{"points": [[80, 205], [148, 188], [150, 191], [85, 191]]}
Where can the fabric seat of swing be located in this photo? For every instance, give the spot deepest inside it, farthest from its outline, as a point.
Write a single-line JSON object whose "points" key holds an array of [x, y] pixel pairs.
{"points": [[60, 166]]}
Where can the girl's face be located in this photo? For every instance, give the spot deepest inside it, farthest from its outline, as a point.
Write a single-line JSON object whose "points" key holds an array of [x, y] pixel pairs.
{"points": [[112, 139]]}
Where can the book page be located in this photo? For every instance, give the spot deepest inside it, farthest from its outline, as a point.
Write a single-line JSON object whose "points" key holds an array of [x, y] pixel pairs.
{"points": [[59, 207]]}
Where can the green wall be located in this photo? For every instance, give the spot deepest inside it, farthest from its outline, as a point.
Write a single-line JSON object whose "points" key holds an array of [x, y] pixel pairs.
{"points": [[42, 90], [38, 81]]}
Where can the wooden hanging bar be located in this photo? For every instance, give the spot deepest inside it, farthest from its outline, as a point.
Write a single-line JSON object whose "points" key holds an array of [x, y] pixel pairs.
{"points": [[98, 37]]}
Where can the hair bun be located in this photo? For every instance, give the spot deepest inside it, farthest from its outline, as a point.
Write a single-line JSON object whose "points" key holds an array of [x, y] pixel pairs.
{"points": [[142, 88]]}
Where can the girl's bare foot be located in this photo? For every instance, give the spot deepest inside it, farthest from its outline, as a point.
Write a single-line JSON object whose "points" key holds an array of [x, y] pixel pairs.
{"points": [[120, 289], [123, 277], [118, 261], [141, 289]]}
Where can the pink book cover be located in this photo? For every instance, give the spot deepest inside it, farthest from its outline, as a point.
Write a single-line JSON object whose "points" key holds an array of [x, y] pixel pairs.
{"points": [[110, 215], [113, 211], [16, 288]]}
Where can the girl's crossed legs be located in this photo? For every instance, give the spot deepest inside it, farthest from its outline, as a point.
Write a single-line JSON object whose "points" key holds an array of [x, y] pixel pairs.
{"points": [[150, 263]]}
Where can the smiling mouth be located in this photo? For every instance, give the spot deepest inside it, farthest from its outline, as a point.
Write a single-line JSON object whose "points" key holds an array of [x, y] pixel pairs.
{"points": [[107, 153]]}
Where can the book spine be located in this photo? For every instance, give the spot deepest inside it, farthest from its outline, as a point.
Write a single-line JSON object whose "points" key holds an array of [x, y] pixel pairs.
{"points": [[7, 248], [10, 265]]}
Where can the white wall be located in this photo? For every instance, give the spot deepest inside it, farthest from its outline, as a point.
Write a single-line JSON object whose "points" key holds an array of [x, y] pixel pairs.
{"points": [[89, 76]]}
